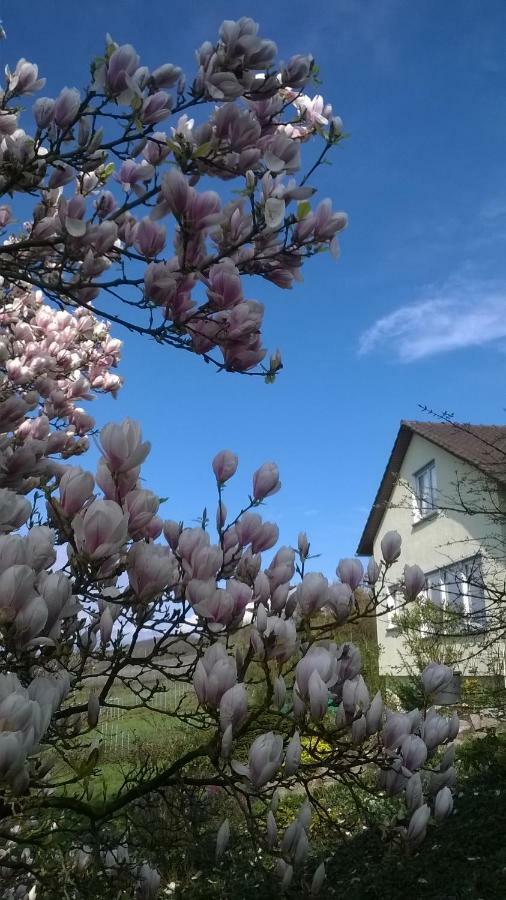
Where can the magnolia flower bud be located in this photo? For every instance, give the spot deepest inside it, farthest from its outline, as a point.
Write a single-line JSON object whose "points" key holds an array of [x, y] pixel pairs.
{"points": [[66, 107], [448, 758], [359, 730], [214, 674], [435, 730], [301, 849], [265, 538], [436, 677], [261, 619], [312, 593], [397, 727], [106, 623], [443, 804], [100, 529], [318, 696], [41, 550], [414, 792], [293, 754], [93, 710], [417, 827], [141, 506], [225, 465], [374, 714], [265, 757], [226, 743], [266, 481], [414, 752], [303, 545], [351, 572], [414, 581], [391, 546], [285, 872], [439, 780], [13, 551], [76, 487], [149, 883], [272, 830], [151, 569], [373, 571], [279, 691], [355, 695], [172, 532], [340, 601], [149, 237], [14, 510], [222, 838], [318, 879], [42, 110], [453, 727], [233, 707], [221, 515], [248, 527], [122, 445]]}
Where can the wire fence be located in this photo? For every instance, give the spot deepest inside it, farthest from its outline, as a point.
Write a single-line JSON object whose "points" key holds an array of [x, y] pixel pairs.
{"points": [[117, 723]]}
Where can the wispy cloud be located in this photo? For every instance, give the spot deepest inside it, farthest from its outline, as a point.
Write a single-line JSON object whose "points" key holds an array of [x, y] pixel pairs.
{"points": [[451, 317]]}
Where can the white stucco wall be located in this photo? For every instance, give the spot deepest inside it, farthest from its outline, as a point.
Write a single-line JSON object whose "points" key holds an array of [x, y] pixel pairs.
{"points": [[446, 537]]}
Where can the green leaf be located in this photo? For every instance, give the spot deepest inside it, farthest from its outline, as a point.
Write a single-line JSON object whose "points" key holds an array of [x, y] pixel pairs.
{"points": [[203, 150], [107, 172], [303, 210]]}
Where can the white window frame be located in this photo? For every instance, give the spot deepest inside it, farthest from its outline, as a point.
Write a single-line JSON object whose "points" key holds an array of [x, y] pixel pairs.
{"points": [[392, 604], [420, 512], [462, 570]]}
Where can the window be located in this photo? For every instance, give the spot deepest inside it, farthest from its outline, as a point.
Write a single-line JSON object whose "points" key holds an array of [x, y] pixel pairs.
{"points": [[459, 592], [425, 491], [393, 602]]}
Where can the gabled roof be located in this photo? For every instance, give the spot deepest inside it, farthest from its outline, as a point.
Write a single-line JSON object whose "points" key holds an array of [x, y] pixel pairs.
{"points": [[483, 446]]}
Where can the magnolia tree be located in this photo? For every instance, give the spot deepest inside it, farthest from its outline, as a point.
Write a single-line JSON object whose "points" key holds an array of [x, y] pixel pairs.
{"points": [[87, 567]]}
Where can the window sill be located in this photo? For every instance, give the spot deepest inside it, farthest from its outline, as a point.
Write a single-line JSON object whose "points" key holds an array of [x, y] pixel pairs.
{"points": [[429, 517]]}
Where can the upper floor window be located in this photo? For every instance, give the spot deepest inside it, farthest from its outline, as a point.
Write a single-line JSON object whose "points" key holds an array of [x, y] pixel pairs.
{"points": [[425, 491]]}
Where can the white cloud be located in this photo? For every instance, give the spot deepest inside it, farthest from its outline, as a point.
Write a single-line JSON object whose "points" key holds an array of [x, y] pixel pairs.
{"points": [[452, 317]]}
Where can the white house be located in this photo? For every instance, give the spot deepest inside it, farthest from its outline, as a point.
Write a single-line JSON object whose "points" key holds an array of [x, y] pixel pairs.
{"points": [[444, 491]]}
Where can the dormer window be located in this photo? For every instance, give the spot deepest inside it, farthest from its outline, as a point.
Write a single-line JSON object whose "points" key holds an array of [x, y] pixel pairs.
{"points": [[425, 491]]}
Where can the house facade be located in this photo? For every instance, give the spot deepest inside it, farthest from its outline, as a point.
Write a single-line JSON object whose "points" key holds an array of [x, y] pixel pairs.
{"points": [[444, 491]]}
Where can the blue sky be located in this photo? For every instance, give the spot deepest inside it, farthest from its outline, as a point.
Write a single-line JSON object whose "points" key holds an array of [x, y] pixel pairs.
{"points": [[414, 311]]}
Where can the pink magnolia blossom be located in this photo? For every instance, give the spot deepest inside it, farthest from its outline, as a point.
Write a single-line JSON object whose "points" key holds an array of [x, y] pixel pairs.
{"points": [[151, 569], [149, 238], [122, 445], [224, 465], [339, 600], [436, 677], [443, 804], [391, 546], [141, 506], [266, 481], [66, 107], [351, 572], [75, 488], [14, 510], [265, 756], [214, 674], [100, 529], [233, 707], [312, 593]]}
